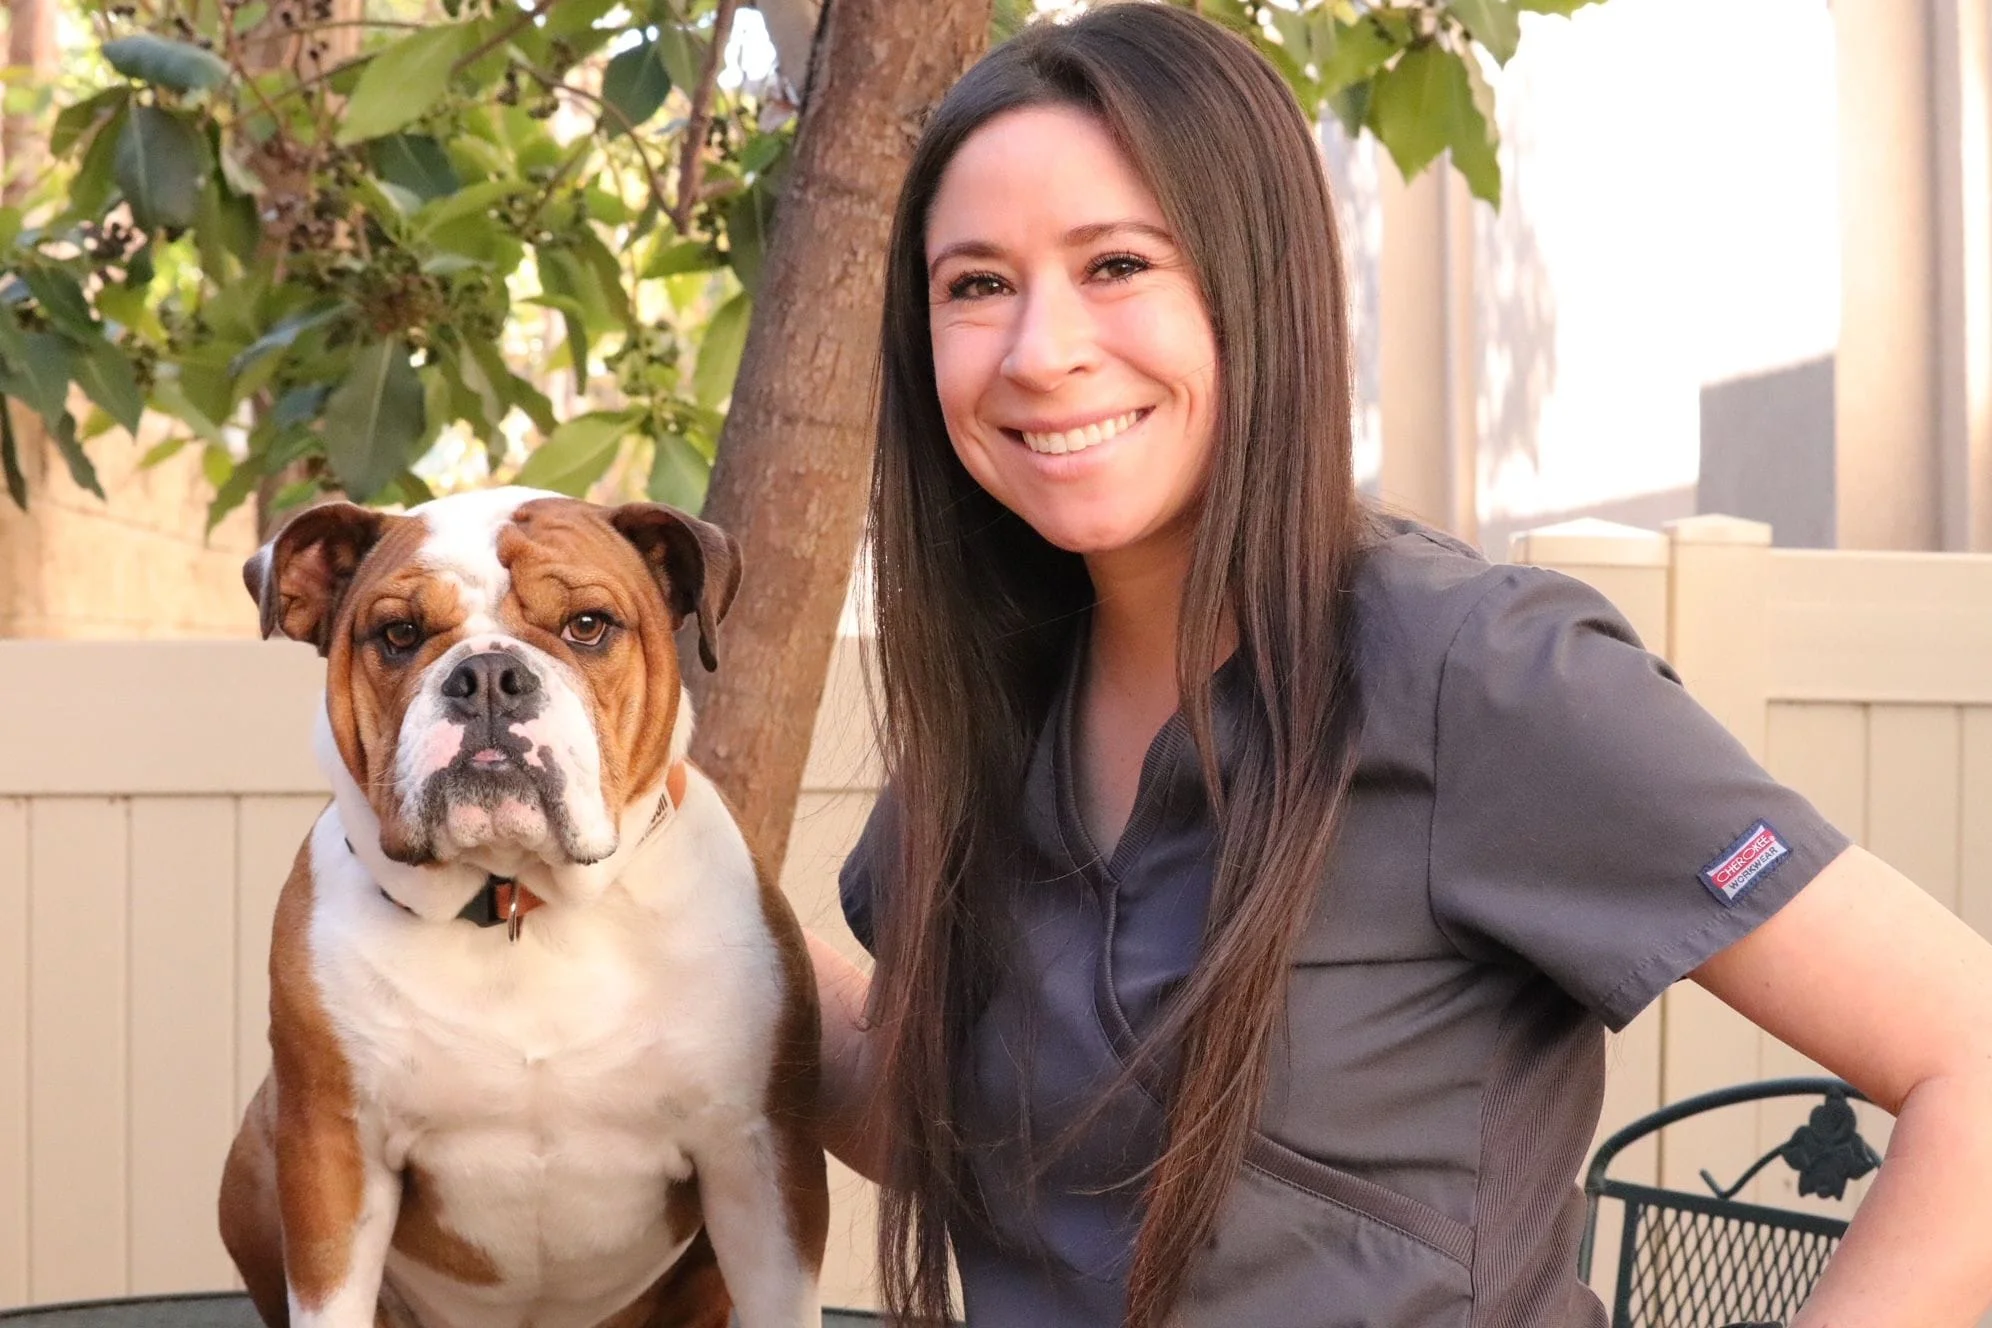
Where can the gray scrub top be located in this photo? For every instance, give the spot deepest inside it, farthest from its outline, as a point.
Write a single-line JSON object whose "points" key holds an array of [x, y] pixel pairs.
{"points": [[1543, 833]]}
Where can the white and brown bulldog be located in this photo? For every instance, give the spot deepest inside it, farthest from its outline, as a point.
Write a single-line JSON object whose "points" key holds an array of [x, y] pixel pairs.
{"points": [[544, 1039]]}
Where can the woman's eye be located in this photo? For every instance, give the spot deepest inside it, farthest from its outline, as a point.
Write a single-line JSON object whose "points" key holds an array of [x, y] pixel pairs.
{"points": [[586, 629], [1119, 267], [974, 286], [401, 637]]}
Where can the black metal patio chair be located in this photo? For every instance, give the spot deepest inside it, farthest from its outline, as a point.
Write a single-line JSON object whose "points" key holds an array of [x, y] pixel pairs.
{"points": [[1689, 1260]]}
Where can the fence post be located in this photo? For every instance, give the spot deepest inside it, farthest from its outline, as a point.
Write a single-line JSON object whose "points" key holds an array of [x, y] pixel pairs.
{"points": [[1717, 627]]}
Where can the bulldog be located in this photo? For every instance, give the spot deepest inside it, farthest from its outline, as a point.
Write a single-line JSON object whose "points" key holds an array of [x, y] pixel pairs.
{"points": [[544, 1039]]}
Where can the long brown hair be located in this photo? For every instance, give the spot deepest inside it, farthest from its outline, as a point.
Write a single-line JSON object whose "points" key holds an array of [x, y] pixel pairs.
{"points": [[975, 612]]}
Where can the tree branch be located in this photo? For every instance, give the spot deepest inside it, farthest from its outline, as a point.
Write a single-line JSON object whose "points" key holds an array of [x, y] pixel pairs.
{"points": [[691, 164]]}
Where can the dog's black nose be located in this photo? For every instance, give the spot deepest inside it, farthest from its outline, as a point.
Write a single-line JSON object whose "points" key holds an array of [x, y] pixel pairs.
{"points": [[493, 684]]}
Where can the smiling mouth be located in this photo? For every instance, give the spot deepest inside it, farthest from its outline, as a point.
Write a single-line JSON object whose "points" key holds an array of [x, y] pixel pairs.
{"points": [[1078, 440]]}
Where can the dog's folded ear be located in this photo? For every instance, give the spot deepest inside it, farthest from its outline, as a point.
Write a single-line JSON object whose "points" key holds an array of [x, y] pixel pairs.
{"points": [[695, 564], [300, 577]]}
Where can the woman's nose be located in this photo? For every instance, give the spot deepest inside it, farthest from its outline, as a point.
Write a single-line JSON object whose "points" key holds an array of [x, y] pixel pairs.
{"points": [[1053, 337]]}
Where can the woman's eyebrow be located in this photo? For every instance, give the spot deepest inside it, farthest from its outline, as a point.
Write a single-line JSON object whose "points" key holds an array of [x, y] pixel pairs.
{"points": [[1093, 232], [1090, 233], [962, 249]]}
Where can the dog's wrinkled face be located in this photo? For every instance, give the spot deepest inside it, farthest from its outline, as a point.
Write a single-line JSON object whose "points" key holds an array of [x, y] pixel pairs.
{"points": [[501, 674]]}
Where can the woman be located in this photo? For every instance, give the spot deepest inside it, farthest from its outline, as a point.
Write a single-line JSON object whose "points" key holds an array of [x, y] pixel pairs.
{"points": [[1257, 876]]}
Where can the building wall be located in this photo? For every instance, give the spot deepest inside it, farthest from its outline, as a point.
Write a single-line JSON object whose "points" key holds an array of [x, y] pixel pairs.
{"points": [[139, 565]]}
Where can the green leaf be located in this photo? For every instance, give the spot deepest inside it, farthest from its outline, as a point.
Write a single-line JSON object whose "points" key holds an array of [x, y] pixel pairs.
{"points": [[106, 375], [416, 163], [73, 456], [90, 191], [165, 63], [1492, 23], [225, 229], [161, 167], [605, 206], [682, 53], [1416, 105], [235, 491], [61, 299], [10, 457], [516, 390], [719, 352], [207, 387], [1359, 50], [476, 398], [404, 81], [38, 372], [576, 16], [374, 419], [235, 173], [299, 406], [1563, 7], [1475, 138], [217, 464], [750, 223], [297, 491], [472, 200], [635, 84], [409, 489], [579, 453], [285, 331], [169, 396], [160, 453], [678, 474], [607, 273], [74, 122], [681, 256]]}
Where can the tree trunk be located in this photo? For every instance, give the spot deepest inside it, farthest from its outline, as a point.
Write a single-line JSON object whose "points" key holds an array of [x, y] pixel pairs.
{"points": [[795, 458]]}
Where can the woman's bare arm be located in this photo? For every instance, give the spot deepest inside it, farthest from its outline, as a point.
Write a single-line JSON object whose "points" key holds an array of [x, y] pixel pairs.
{"points": [[849, 1072], [1872, 978]]}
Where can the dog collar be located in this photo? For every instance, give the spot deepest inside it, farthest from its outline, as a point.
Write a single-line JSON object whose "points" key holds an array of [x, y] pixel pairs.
{"points": [[504, 900]]}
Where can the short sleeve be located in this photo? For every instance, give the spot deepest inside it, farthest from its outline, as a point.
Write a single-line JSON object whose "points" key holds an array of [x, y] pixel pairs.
{"points": [[863, 869], [1589, 817]]}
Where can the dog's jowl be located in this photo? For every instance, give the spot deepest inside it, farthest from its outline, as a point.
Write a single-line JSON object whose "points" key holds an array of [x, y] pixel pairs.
{"points": [[544, 1042]]}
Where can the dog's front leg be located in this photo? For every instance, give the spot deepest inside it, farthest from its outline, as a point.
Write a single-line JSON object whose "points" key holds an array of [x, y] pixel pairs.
{"points": [[766, 1209], [339, 1201]]}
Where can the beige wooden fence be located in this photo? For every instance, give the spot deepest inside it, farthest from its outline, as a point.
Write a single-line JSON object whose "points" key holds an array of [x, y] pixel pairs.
{"points": [[151, 797]]}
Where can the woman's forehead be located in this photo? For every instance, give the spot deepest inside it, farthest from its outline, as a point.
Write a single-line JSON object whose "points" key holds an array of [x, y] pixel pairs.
{"points": [[1039, 172]]}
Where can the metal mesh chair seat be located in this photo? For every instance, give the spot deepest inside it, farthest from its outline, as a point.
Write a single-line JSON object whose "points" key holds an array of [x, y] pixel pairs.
{"points": [[1690, 1260]]}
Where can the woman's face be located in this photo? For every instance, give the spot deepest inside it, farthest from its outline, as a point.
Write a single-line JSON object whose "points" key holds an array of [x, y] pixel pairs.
{"points": [[1075, 361]]}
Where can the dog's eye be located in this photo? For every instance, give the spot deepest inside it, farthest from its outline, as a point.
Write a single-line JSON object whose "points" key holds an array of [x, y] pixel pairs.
{"points": [[587, 629], [401, 636]]}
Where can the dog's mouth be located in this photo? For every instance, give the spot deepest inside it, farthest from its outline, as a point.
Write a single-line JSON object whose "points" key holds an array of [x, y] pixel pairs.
{"points": [[499, 799]]}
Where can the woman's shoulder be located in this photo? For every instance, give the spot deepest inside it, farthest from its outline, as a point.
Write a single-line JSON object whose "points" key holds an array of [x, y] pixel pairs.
{"points": [[1413, 589], [1427, 604]]}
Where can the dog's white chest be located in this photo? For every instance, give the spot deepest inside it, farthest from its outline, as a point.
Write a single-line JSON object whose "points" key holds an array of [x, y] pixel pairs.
{"points": [[546, 1095]]}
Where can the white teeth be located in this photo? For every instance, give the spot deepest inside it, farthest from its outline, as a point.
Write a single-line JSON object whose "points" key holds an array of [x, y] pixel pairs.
{"points": [[1078, 440]]}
